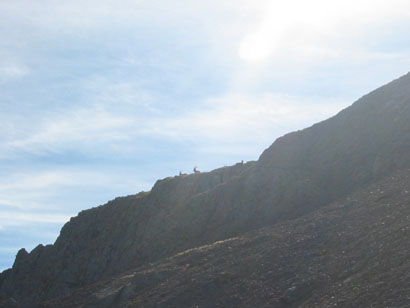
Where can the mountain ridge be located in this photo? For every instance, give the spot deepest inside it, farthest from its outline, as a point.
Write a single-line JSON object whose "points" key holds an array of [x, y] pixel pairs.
{"points": [[299, 173], [321, 259]]}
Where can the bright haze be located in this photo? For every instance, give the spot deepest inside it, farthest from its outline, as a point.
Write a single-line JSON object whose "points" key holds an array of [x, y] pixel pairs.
{"points": [[99, 99]]}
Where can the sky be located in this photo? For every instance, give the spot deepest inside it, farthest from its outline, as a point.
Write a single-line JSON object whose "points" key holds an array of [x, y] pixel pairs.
{"points": [[99, 99]]}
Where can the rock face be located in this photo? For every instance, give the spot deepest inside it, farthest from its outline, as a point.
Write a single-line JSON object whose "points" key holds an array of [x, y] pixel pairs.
{"points": [[300, 173], [351, 253]]}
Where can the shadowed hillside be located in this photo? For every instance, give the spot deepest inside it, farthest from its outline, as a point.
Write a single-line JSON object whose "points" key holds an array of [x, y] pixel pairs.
{"points": [[352, 253], [299, 174]]}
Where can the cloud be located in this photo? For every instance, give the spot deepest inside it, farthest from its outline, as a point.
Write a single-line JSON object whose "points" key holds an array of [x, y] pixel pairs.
{"points": [[36, 189], [241, 121], [252, 30], [17, 219], [12, 71], [28, 191], [82, 128], [11, 68], [235, 114], [135, 96], [122, 122], [319, 29], [36, 181]]}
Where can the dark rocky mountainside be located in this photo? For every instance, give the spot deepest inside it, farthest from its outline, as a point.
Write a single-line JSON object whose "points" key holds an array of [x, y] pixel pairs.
{"points": [[294, 179], [351, 253]]}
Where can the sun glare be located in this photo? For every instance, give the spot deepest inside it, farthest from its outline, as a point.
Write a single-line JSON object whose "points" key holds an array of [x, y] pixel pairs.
{"points": [[261, 42], [255, 48]]}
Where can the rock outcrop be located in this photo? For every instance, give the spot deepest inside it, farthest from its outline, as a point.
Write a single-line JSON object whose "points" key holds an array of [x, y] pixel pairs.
{"points": [[351, 253], [300, 173]]}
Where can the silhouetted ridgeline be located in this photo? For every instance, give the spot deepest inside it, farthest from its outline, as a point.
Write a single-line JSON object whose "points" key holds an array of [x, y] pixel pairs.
{"points": [[300, 173], [351, 253]]}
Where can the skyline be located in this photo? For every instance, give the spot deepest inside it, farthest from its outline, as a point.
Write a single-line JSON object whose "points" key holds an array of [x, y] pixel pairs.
{"points": [[99, 100]]}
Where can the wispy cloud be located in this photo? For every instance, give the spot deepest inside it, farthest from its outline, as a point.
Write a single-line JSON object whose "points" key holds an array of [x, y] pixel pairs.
{"points": [[11, 67], [12, 71], [47, 190], [318, 28], [17, 219], [233, 117], [77, 128], [242, 119]]}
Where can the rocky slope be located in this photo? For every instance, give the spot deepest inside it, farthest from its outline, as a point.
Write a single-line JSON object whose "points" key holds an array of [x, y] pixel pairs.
{"points": [[300, 173], [351, 253]]}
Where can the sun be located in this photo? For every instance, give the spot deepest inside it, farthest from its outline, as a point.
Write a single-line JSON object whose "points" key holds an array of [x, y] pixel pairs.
{"points": [[277, 24], [259, 44], [255, 48]]}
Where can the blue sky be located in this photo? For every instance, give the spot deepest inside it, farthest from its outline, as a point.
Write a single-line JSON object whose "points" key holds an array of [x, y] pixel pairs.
{"points": [[99, 99]]}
